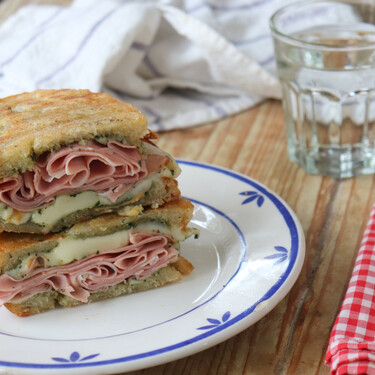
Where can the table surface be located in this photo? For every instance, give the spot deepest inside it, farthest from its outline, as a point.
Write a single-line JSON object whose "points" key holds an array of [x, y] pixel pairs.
{"points": [[293, 337]]}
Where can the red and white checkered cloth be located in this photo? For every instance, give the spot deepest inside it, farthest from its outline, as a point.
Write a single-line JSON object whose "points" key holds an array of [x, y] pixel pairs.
{"points": [[351, 347]]}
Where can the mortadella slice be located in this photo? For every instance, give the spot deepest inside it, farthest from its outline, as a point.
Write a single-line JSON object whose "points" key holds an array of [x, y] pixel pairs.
{"points": [[110, 169], [145, 254]]}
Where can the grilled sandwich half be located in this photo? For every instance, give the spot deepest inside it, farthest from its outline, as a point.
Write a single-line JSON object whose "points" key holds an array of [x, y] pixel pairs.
{"points": [[108, 256], [71, 155]]}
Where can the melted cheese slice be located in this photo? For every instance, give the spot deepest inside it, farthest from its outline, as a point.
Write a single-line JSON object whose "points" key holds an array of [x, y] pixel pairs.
{"points": [[66, 204], [70, 249]]}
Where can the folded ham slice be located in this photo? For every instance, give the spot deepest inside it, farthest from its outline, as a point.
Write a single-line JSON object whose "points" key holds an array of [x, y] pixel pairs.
{"points": [[145, 254], [110, 169]]}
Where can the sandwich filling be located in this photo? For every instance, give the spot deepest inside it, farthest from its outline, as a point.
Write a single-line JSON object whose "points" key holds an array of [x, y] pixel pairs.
{"points": [[142, 256], [110, 169], [78, 177]]}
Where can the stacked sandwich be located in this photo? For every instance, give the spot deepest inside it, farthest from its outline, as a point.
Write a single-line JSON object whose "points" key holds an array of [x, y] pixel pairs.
{"points": [[89, 206]]}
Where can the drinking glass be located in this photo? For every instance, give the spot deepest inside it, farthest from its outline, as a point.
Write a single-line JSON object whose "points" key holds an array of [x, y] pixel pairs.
{"points": [[325, 53]]}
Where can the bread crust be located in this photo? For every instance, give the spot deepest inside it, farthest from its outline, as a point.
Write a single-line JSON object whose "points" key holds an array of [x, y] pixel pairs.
{"points": [[35, 122], [14, 246]]}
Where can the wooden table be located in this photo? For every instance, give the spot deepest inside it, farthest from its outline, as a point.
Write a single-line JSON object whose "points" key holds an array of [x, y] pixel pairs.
{"points": [[291, 339]]}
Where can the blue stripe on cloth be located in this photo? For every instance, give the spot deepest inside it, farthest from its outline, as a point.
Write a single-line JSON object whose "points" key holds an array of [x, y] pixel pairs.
{"points": [[151, 66], [220, 111], [229, 8], [251, 41], [80, 47], [267, 61], [139, 46], [146, 60], [41, 29]]}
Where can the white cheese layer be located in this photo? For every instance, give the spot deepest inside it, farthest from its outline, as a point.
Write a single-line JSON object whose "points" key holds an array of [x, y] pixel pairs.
{"points": [[10, 215], [67, 204], [70, 249]]}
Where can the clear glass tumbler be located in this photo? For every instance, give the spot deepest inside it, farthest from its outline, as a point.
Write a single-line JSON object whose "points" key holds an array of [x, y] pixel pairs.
{"points": [[325, 53]]}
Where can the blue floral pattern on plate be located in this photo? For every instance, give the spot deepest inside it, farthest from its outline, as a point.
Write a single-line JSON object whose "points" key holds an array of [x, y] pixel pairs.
{"points": [[253, 196], [280, 256], [216, 322], [74, 357]]}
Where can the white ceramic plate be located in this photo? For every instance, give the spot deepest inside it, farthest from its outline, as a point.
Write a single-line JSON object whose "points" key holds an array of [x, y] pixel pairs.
{"points": [[247, 258]]}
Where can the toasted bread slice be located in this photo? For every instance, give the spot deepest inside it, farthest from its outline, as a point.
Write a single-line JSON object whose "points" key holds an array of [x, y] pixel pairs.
{"points": [[35, 122], [70, 155]]}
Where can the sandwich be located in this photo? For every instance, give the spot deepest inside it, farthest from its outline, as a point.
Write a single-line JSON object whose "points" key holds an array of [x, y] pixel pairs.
{"points": [[89, 205], [71, 155], [108, 256]]}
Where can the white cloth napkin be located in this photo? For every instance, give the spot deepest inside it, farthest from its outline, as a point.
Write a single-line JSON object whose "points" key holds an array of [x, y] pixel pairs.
{"points": [[180, 62]]}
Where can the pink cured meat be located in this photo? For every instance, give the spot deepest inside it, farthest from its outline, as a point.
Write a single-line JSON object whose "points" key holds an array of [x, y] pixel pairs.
{"points": [[145, 254], [110, 169]]}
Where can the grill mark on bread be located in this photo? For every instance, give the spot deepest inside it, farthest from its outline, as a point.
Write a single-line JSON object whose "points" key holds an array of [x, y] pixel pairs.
{"points": [[52, 118]]}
